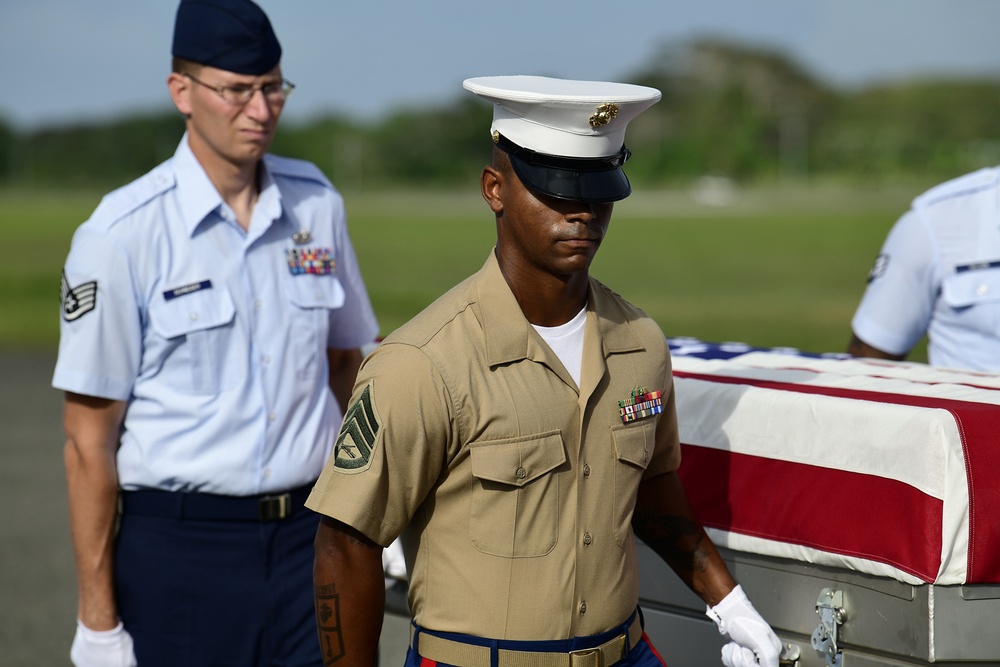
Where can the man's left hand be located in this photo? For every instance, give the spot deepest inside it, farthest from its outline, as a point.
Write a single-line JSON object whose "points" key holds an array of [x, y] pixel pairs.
{"points": [[752, 640]]}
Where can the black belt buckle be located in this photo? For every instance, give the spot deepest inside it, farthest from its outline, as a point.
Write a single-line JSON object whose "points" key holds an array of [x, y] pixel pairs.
{"points": [[274, 508]]}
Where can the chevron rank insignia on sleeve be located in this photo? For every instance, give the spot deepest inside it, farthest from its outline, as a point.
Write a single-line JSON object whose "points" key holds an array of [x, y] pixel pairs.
{"points": [[356, 442], [77, 301]]}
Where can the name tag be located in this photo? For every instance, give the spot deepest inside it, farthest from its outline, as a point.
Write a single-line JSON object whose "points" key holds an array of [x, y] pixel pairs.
{"points": [[187, 289], [977, 266]]}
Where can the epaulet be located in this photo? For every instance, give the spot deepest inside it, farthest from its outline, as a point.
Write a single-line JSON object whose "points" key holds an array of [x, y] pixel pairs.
{"points": [[119, 203], [292, 168], [983, 179]]}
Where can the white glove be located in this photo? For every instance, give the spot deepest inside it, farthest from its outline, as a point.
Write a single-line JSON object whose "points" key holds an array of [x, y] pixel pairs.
{"points": [[106, 648], [752, 640]]}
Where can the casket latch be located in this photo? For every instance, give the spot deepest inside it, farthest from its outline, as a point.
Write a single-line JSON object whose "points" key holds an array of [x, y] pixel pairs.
{"points": [[830, 607]]}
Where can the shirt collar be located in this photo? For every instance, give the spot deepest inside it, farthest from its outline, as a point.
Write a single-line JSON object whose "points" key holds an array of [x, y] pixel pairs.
{"points": [[200, 198], [509, 335], [269, 205]]}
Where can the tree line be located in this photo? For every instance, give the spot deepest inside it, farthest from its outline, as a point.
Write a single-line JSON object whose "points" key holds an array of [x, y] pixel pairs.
{"points": [[731, 110]]}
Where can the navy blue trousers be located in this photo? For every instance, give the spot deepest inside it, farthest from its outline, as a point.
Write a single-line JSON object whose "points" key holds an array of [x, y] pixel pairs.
{"points": [[216, 593]]}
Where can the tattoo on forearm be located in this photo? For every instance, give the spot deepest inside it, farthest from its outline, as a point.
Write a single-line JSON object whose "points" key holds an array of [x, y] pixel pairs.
{"points": [[677, 539], [331, 638]]}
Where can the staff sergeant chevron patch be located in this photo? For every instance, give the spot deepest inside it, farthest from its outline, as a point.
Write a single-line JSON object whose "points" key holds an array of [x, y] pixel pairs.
{"points": [[353, 451], [77, 301]]}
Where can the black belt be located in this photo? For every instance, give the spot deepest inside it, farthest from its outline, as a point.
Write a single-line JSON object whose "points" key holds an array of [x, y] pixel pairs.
{"points": [[212, 507]]}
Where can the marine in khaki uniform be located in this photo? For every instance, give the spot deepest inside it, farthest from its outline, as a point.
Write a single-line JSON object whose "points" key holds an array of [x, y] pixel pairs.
{"points": [[521, 430]]}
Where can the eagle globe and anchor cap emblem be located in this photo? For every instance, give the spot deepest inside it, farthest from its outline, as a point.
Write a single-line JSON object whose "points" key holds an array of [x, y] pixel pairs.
{"points": [[565, 138], [604, 114]]}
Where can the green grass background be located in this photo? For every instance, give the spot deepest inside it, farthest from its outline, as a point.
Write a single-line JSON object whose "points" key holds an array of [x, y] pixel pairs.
{"points": [[774, 267]]}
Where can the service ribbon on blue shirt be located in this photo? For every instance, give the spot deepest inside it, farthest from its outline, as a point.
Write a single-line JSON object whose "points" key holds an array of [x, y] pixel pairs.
{"points": [[641, 405], [316, 261]]}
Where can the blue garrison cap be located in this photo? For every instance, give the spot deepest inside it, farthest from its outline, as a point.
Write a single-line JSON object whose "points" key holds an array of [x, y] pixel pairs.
{"points": [[234, 35]]}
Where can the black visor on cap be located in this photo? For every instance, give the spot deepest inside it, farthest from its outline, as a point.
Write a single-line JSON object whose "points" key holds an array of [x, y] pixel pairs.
{"points": [[591, 180]]}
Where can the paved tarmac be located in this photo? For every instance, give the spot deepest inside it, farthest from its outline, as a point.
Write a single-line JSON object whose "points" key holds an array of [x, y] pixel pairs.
{"points": [[37, 583]]}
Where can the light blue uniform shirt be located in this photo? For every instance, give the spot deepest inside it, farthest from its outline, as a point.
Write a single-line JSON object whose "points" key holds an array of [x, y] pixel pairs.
{"points": [[939, 273], [214, 335]]}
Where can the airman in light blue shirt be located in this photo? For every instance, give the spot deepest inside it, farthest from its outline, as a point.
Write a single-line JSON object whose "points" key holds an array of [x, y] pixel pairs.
{"points": [[213, 315], [938, 274], [216, 336]]}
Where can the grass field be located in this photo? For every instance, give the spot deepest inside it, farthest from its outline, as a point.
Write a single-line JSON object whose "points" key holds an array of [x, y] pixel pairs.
{"points": [[780, 267]]}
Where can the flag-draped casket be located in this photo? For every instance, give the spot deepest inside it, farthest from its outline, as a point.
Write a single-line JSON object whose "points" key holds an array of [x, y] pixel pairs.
{"points": [[909, 454], [856, 479]]}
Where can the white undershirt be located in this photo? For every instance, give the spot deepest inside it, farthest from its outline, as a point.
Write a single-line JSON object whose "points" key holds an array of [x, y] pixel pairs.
{"points": [[566, 340]]}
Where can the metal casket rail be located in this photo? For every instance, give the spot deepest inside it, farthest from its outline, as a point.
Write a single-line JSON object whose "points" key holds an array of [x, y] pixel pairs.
{"points": [[884, 622]]}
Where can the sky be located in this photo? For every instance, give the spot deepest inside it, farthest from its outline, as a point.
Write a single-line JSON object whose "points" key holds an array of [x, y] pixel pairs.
{"points": [[73, 61]]}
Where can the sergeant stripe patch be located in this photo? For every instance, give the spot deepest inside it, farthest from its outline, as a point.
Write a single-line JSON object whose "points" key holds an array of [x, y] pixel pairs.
{"points": [[356, 441], [77, 301]]}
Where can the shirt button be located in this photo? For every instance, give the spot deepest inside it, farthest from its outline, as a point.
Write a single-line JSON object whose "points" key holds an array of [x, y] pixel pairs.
{"points": [[265, 359], [587, 539], [583, 607], [271, 416], [521, 474], [194, 317], [586, 470], [257, 304], [267, 473], [982, 289]]}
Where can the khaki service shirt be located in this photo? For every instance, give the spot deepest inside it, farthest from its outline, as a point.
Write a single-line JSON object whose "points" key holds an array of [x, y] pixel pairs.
{"points": [[512, 487]]}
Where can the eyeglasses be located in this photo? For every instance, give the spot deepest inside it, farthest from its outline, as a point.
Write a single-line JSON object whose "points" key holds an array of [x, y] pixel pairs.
{"points": [[275, 92]]}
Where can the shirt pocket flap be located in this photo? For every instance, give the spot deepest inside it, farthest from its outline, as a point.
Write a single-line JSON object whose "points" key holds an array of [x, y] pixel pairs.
{"points": [[634, 442], [204, 309], [310, 291], [517, 461], [969, 288]]}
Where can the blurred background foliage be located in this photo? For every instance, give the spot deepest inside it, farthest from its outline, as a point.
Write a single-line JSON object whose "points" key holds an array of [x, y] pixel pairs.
{"points": [[731, 110]]}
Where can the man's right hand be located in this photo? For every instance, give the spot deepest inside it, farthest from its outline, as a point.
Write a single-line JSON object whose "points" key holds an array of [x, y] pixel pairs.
{"points": [[105, 648]]}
